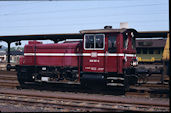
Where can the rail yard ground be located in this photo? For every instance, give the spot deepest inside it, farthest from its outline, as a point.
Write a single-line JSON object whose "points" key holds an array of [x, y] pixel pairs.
{"points": [[150, 96]]}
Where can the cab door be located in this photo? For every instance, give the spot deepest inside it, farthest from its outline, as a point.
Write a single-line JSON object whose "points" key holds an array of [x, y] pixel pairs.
{"points": [[94, 53], [111, 54]]}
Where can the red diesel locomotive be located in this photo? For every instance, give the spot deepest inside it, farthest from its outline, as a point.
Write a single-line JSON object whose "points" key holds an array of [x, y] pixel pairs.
{"points": [[104, 56]]}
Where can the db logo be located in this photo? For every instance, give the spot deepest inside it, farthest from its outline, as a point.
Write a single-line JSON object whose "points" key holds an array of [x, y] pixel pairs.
{"points": [[94, 54]]}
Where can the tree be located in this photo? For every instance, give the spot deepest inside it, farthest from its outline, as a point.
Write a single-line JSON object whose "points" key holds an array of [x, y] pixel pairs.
{"points": [[15, 49]]}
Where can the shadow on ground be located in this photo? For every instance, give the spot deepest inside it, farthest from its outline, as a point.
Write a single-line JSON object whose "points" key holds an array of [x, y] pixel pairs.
{"points": [[74, 88]]}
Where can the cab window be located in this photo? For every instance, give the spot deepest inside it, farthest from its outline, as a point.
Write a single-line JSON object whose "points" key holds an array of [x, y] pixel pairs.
{"points": [[99, 41], [133, 43], [89, 41], [94, 41], [125, 41], [112, 44]]}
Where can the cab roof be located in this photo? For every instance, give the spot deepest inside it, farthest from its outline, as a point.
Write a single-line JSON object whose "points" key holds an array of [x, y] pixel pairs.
{"points": [[108, 31]]}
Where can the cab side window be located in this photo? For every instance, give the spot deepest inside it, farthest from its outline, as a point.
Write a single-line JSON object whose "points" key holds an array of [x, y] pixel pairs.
{"points": [[112, 44], [125, 40], [133, 43], [99, 41], [94, 41], [89, 41]]}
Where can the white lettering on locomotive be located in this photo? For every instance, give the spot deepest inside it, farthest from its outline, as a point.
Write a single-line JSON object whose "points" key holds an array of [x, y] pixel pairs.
{"points": [[93, 68], [87, 67], [100, 69], [91, 60]]}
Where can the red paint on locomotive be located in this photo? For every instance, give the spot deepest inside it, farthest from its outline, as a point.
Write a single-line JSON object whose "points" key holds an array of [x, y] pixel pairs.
{"points": [[104, 55], [62, 54]]}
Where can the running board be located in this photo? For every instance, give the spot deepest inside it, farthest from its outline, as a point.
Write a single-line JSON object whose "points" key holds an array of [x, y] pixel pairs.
{"points": [[115, 78], [114, 84]]}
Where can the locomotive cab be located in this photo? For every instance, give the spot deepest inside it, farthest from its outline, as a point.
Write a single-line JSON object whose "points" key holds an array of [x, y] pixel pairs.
{"points": [[109, 57]]}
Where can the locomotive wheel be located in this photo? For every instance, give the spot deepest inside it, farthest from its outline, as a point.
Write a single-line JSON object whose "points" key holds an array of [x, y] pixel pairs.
{"points": [[20, 79], [126, 84], [125, 88], [83, 84], [122, 91]]}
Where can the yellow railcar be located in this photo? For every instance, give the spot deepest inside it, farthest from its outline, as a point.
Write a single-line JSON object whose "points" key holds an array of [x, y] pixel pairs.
{"points": [[166, 53]]}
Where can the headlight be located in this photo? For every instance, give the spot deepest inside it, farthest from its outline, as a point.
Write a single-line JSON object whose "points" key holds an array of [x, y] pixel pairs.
{"points": [[134, 62]]}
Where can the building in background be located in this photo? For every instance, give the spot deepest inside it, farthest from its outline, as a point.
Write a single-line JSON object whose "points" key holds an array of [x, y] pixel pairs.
{"points": [[14, 58], [2, 56]]}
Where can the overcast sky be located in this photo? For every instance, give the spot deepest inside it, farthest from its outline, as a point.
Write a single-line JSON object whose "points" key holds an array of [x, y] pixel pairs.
{"points": [[46, 17]]}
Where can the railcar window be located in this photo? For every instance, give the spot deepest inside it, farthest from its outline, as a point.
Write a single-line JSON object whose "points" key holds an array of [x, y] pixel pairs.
{"points": [[138, 51], [112, 44], [157, 51], [151, 51], [144, 51], [125, 40], [94, 41]]}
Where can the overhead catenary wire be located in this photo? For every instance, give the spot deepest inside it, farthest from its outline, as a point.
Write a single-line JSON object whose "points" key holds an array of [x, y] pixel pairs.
{"points": [[86, 9], [66, 24], [76, 17]]}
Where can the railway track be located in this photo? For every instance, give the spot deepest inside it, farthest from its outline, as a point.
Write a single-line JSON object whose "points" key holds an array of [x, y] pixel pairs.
{"points": [[133, 91], [8, 77], [77, 103], [51, 103], [8, 73]]}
